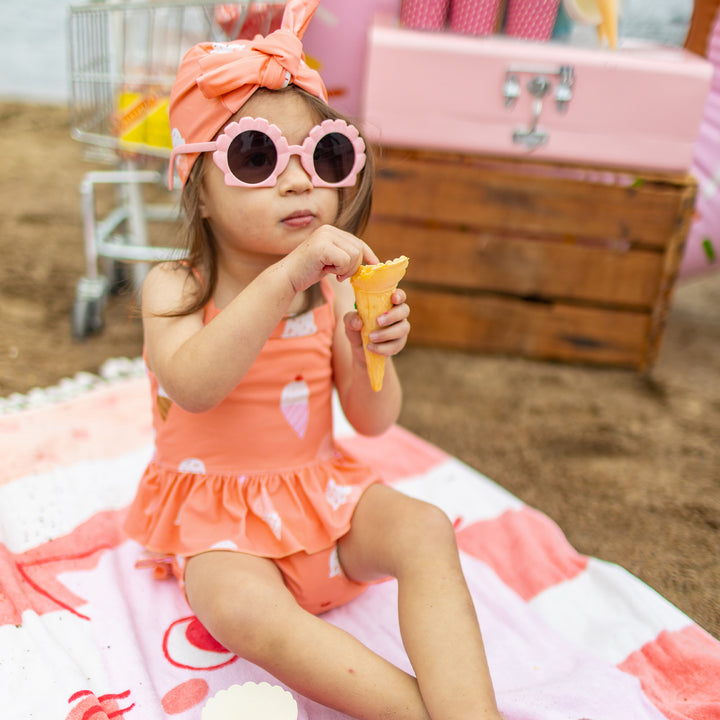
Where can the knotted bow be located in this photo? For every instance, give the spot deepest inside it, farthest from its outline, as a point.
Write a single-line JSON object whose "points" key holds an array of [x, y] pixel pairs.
{"points": [[271, 62]]}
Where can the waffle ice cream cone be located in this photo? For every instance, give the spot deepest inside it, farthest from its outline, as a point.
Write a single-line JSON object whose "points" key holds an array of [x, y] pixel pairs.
{"points": [[374, 286]]}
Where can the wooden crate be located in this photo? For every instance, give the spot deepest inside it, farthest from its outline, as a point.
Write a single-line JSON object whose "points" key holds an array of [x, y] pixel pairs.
{"points": [[543, 260]]}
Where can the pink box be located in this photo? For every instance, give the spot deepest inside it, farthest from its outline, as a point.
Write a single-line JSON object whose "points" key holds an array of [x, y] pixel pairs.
{"points": [[475, 17], [336, 43], [637, 108]]}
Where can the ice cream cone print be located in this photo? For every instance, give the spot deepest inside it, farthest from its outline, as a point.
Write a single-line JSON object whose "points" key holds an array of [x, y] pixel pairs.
{"points": [[374, 286], [163, 403], [294, 405]]}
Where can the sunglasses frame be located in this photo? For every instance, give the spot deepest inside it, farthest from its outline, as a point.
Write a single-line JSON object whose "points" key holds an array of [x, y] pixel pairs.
{"points": [[284, 150]]}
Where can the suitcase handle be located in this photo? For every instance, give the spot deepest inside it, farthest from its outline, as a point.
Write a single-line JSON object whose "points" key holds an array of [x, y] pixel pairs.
{"points": [[538, 86]]}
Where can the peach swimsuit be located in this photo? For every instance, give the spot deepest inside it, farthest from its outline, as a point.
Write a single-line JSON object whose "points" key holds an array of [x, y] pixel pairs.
{"points": [[259, 473]]}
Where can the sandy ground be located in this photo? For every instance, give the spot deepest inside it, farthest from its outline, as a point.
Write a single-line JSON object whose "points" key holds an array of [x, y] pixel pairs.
{"points": [[627, 464]]}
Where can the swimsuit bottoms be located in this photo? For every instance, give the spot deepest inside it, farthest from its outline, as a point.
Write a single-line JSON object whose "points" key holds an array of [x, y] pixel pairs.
{"points": [[316, 580]]}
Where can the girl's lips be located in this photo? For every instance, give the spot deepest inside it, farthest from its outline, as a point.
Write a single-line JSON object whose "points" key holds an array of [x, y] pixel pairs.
{"points": [[299, 219]]}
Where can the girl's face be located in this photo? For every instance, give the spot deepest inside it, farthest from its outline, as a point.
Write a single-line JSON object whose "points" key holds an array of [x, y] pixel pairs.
{"points": [[261, 224]]}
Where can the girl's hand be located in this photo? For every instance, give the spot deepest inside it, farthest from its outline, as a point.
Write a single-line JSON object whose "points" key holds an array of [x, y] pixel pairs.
{"points": [[328, 250], [390, 338]]}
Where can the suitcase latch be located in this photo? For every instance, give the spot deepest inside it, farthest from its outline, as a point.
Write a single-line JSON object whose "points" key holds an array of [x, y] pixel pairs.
{"points": [[539, 85]]}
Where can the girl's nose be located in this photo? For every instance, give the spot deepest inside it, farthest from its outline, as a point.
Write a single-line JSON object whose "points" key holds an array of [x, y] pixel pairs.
{"points": [[294, 178]]}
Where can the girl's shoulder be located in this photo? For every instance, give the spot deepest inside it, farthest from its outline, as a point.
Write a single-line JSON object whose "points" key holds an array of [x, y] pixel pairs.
{"points": [[170, 286]]}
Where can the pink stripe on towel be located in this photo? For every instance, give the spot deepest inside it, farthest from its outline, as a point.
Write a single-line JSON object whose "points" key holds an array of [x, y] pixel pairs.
{"points": [[84, 428], [525, 548], [679, 673]]}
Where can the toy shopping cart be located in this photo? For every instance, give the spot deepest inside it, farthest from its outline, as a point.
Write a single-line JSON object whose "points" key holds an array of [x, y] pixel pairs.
{"points": [[123, 59]]}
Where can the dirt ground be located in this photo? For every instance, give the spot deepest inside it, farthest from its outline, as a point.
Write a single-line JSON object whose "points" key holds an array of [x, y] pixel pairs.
{"points": [[627, 464]]}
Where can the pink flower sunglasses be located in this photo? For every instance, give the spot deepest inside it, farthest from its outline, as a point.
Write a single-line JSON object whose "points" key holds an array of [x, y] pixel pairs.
{"points": [[253, 153]]}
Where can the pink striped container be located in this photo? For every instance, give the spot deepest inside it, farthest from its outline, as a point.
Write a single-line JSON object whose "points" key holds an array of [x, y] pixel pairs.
{"points": [[424, 14], [531, 19], [476, 17]]}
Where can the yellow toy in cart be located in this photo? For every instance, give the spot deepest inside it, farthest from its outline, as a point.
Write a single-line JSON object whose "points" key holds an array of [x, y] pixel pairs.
{"points": [[142, 119], [373, 286]]}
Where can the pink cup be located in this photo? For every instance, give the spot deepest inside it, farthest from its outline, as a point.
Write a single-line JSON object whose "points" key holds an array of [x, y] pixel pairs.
{"points": [[424, 14], [475, 17], [531, 19]]}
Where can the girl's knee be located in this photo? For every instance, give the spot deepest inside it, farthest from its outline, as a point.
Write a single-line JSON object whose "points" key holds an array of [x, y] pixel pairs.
{"points": [[409, 520], [432, 527], [392, 533], [236, 603], [424, 531]]}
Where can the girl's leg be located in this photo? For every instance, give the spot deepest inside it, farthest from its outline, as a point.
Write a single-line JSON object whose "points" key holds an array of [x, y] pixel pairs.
{"points": [[393, 534], [244, 604]]}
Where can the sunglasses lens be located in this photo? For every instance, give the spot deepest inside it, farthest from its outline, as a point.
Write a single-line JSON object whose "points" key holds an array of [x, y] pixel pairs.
{"points": [[334, 157], [252, 157]]}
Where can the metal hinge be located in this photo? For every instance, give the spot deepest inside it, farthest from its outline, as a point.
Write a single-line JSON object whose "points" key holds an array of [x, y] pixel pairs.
{"points": [[539, 85]]}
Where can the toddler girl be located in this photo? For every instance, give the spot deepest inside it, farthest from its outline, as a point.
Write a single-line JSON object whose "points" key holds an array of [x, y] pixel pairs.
{"points": [[268, 523]]}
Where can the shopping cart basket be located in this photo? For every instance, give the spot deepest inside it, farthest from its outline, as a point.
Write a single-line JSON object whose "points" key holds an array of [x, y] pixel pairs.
{"points": [[123, 59]]}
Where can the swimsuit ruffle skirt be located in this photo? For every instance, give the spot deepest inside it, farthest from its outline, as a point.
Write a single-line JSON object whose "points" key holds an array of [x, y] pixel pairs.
{"points": [[260, 473]]}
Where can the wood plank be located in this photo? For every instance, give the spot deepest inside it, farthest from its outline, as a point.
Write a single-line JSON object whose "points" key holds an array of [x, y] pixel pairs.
{"points": [[541, 166], [419, 188], [672, 259], [512, 326], [478, 260]]}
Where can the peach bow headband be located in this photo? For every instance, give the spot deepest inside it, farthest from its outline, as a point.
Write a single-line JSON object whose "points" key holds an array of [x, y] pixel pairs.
{"points": [[215, 79]]}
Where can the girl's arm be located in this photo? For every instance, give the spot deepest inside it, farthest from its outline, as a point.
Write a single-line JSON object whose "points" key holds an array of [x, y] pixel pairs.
{"points": [[199, 365], [369, 412]]}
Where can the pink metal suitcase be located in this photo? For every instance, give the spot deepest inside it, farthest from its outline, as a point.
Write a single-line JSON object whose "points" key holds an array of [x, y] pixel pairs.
{"points": [[639, 107]]}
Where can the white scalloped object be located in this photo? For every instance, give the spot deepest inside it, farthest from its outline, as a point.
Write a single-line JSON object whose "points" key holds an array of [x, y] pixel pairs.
{"points": [[251, 701], [112, 370]]}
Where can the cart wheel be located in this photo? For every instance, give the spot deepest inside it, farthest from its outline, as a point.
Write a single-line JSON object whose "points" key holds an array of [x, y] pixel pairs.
{"points": [[120, 275], [86, 318]]}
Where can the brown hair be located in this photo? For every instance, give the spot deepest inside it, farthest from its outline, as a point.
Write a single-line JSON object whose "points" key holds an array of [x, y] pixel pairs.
{"points": [[353, 213]]}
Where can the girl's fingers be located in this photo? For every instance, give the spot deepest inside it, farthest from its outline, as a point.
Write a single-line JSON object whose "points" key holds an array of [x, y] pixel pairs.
{"points": [[348, 254], [339, 259], [353, 321], [342, 252], [388, 348], [391, 339], [396, 314], [399, 297], [394, 332], [369, 256]]}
